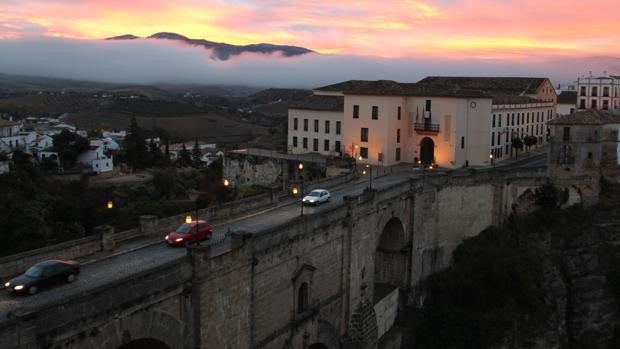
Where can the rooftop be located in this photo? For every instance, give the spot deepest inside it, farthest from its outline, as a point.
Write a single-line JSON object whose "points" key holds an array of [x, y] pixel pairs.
{"points": [[588, 117], [320, 102], [513, 99], [567, 97], [4, 123], [393, 88], [504, 85]]}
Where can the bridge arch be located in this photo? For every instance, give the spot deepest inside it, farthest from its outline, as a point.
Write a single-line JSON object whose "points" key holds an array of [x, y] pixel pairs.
{"points": [[145, 343], [391, 257], [142, 330]]}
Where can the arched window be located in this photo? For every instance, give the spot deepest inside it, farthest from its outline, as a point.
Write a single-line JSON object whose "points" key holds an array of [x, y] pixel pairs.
{"points": [[302, 298]]}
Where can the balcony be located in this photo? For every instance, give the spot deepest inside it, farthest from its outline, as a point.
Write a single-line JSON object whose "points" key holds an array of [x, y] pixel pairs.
{"points": [[426, 128]]}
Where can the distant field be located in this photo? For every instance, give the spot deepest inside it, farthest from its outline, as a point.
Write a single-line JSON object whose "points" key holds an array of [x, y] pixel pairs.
{"points": [[196, 126]]}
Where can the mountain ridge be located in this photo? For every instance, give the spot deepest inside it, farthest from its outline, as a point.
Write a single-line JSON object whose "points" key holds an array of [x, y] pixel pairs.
{"points": [[222, 50]]}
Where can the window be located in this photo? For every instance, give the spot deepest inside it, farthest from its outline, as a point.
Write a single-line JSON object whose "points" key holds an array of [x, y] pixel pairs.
{"points": [[356, 112], [462, 142], [305, 143], [398, 136], [302, 298], [605, 91], [305, 124], [594, 104], [397, 154], [295, 124], [528, 118], [398, 113], [315, 144], [493, 120], [375, 112], [337, 146], [594, 91], [499, 120], [605, 104], [326, 126], [508, 120], [492, 138], [326, 145], [364, 152], [566, 134], [364, 135], [294, 141], [513, 119], [338, 129], [316, 125], [518, 117], [583, 91], [523, 118], [499, 139], [428, 105], [582, 103]]}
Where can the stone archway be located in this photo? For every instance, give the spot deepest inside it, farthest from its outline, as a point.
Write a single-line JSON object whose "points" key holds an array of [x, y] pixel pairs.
{"points": [[143, 329], [427, 151], [145, 343], [391, 255]]}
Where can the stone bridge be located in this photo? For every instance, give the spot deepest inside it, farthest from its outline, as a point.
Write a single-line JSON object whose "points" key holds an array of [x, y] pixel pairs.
{"points": [[335, 279]]}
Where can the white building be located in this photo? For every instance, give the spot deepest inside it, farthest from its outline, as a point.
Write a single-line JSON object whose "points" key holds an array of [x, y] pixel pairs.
{"points": [[9, 134], [96, 158], [450, 121], [601, 92]]}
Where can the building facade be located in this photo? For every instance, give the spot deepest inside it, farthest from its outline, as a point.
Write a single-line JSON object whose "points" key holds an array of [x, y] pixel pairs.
{"points": [[448, 121], [601, 92]]}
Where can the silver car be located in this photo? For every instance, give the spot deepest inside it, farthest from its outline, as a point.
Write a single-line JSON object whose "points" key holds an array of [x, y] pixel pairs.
{"points": [[317, 196]]}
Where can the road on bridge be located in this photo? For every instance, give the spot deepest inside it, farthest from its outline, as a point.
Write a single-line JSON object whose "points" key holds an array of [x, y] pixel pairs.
{"points": [[121, 266]]}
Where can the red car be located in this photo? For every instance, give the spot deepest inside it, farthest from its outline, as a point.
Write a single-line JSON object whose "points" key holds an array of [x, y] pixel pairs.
{"points": [[190, 232]]}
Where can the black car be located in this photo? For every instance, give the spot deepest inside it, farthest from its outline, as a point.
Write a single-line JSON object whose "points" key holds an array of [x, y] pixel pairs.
{"points": [[44, 274]]}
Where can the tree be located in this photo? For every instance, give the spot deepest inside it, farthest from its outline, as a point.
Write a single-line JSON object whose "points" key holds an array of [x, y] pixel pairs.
{"points": [[184, 158], [529, 141], [164, 182], [136, 153], [155, 156], [517, 144], [196, 156], [69, 146]]}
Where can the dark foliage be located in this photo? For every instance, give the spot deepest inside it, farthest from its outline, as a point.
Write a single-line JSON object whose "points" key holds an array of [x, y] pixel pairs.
{"points": [[69, 146]]}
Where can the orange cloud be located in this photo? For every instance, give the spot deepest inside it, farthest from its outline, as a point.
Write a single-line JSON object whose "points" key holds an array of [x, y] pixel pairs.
{"points": [[399, 28]]}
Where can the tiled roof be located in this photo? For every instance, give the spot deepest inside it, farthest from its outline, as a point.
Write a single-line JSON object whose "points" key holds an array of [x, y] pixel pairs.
{"points": [[505, 85], [4, 123], [588, 117], [320, 102], [567, 97], [393, 88]]}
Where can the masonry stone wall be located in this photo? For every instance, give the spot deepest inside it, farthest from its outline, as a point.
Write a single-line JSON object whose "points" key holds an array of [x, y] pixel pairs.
{"points": [[81, 319], [250, 170]]}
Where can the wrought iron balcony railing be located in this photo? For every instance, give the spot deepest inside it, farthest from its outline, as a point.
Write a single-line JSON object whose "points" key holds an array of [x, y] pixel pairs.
{"points": [[426, 127]]}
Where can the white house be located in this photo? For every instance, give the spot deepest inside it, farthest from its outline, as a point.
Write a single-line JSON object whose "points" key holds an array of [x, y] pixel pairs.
{"points": [[95, 158], [9, 134], [567, 100], [602, 92]]}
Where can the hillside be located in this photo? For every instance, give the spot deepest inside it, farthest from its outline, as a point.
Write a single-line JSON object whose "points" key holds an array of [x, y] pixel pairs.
{"points": [[547, 280], [221, 50]]}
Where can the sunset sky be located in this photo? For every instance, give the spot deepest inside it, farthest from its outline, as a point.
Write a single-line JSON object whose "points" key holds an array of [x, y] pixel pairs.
{"points": [[513, 29]]}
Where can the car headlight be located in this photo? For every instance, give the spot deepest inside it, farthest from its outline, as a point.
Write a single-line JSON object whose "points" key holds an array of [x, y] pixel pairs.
{"points": [[167, 238], [18, 287], [178, 239], [7, 284]]}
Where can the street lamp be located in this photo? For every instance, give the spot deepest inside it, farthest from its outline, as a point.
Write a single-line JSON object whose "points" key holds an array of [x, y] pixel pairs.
{"points": [[226, 182], [188, 219], [491, 159], [110, 205], [369, 176], [301, 175]]}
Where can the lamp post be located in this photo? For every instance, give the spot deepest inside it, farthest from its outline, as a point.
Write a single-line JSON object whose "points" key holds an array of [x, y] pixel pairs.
{"points": [[301, 175], [491, 159], [369, 175]]}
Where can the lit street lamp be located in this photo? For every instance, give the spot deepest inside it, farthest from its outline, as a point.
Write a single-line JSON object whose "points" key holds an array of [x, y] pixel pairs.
{"points": [[301, 168]]}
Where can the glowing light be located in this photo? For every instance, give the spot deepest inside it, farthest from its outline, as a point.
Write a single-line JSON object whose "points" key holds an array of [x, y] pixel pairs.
{"points": [[295, 191], [188, 219], [110, 204], [301, 166], [226, 182]]}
